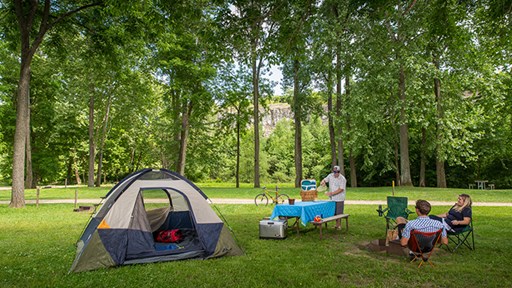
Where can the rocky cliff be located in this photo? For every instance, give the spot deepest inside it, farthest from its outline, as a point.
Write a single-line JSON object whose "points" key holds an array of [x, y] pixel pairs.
{"points": [[275, 113]]}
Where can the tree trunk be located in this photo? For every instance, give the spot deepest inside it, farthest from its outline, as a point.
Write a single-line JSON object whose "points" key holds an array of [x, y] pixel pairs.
{"points": [[397, 164], [330, 114], [423, 159], [177, 121], [297, 107], [352, 160], [353, 170], [102, 141], [256, 93], [77, 173], [20, 136], [237, 169], [339, 107], [441, 175], [187, 111], [26, 15], [92, 148], [69, 171], [29, 180], [440, 171], [404, 133]]}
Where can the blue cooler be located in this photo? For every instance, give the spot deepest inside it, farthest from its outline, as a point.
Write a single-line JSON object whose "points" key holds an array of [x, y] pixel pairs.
{"points": [[308, 184]]}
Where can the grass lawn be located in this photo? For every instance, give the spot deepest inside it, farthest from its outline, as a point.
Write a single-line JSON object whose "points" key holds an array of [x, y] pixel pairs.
{"points": [[247, 192], [38, 246]]}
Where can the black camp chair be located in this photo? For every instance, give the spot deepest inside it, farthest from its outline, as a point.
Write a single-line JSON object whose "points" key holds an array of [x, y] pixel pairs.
{"points": [[422, 245], [459, 238], [397, 206]]}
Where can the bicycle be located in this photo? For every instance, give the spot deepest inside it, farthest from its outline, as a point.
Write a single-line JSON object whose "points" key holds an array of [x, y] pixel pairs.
{"points": [[262, 198]]}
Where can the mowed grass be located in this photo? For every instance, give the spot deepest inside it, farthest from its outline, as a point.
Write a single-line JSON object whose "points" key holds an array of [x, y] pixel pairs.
{"points": [[38, 246], [246, 191]]}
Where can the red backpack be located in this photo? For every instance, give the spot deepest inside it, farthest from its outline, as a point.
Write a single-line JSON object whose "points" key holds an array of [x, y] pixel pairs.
{"points": [[169, 236]]}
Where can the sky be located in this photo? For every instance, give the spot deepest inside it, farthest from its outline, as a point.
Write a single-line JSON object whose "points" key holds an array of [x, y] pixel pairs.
{"points": [[276, 77]]}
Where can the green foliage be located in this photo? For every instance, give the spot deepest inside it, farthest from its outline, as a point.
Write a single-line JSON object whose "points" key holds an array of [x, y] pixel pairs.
{"points": [[153, 64]]}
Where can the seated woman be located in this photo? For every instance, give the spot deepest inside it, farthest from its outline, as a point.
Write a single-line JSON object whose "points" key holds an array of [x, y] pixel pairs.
{"points": [[459, 215]]}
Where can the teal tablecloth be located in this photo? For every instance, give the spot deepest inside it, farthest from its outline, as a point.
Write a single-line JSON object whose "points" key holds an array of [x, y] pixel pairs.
{"points": [[306, 211]]}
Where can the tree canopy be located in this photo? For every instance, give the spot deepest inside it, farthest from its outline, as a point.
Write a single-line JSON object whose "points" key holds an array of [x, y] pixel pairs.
{"points": [[419, 93]]}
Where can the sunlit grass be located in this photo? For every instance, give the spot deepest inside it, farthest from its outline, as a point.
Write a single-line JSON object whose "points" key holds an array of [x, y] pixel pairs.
{"points": [[37, 249], [223, 190]]}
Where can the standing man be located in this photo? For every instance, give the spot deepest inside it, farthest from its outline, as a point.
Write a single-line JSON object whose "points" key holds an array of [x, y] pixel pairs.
{"points": [[337, 184]]}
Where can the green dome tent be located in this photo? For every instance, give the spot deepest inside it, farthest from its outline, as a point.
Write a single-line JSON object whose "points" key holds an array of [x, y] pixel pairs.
{"points": [[124, 229]]}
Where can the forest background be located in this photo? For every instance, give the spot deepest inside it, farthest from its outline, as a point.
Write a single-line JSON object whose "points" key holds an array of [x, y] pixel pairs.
{"points": [[416, 92]]}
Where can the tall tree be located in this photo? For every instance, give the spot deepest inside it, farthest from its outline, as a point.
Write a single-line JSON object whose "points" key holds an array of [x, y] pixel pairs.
{"points": [[402, 27], [186, 58], [252, 23], [34, 21], [233, 92], [295, 28]]}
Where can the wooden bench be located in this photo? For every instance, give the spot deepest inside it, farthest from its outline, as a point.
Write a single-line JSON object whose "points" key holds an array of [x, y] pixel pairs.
{"points": [[329, 219]]}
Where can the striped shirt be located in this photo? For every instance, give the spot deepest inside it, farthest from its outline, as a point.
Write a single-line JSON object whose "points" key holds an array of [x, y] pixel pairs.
{"points": [[423, 224]]}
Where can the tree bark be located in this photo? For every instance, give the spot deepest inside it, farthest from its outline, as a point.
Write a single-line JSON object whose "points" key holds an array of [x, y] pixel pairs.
{"points": [[339, 107], [102, 141], [353, 170], [422, 157], [237, 169], [25, 16], [69, 170], [330, 114], [256, 93], [351, 158], [185, 127], [405, 167], [440, 171], [29, 180], [77, 173], [92, 148], [297, 109], [397, 164], [25, 21], [20, 137]]}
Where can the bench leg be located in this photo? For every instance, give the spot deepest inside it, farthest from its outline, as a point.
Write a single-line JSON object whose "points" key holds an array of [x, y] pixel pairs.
{"points": [[321, 230], [346, 226]]}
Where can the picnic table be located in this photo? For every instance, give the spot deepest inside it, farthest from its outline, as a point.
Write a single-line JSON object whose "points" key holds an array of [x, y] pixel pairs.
{"points": [[480, 184], [304, 212]]}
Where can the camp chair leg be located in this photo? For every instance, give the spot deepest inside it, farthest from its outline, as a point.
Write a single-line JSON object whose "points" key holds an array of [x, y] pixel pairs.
{"points": [[419, 257], [462, 239], [427, 261], [423, 245]]}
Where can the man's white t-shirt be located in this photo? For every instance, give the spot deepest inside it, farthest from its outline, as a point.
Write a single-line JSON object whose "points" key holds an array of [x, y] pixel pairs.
{"points": [[334, 184]]}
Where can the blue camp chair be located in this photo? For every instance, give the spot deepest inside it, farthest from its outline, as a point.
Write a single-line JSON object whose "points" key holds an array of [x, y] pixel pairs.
{"points": [[397, 206]]}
